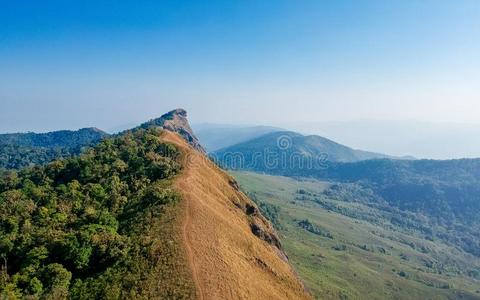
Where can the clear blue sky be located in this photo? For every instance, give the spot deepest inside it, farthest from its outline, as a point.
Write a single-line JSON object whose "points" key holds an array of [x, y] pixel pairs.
{"points": [[71, 64]]}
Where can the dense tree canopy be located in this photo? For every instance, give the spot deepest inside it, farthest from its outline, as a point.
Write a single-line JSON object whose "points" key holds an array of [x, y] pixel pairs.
{"points": [[19, 150], [81, 227]]}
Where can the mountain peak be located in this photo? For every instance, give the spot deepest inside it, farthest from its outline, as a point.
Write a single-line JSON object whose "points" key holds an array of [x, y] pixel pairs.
{"points": [[179, 111], [176, 121], [92, 129]]}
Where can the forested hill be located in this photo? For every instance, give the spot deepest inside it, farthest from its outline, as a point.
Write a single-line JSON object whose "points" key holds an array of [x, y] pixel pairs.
{"points": [[446, 192], [444, 189], [130, 219], [18, 150], [269, 148], [62, 138], [95, 226]]}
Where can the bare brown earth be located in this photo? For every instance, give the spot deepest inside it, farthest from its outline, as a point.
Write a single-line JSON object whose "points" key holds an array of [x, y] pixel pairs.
{"points": [[226, 258]]}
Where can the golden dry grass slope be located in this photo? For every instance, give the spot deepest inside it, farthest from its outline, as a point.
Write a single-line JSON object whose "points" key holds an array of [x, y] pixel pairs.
{"points": [[232, 250]]}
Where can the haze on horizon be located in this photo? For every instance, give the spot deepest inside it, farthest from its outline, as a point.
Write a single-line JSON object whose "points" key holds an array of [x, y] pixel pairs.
{"points": [[82, 63]]}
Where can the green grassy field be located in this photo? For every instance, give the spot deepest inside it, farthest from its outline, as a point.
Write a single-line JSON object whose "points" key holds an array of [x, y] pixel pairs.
{"points": [[351, 250]]}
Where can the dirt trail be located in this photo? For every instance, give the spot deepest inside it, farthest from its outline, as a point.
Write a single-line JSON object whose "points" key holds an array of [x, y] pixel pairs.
{"points": [[226, 259], [188, 247]]}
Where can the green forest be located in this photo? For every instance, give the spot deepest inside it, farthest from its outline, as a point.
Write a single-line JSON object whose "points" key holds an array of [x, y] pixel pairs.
{"points": [[95, 226], [19, 150]]}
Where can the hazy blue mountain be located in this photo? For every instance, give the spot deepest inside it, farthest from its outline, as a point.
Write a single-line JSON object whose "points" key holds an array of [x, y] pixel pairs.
{"points": [[285, 148], [420, 139], [215, 137]]}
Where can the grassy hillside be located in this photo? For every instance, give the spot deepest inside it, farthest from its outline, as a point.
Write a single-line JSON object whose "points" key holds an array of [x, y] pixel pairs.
{"points": [[354, 246], [446, 193], [103, 225], [234, 252]]}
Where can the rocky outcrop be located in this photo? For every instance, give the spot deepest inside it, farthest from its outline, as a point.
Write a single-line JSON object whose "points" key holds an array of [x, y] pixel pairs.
{"points": [[176, 121]]}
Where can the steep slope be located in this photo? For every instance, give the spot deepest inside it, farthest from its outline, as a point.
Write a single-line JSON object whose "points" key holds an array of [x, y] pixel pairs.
{"points": [[176, 121], [216, 137], [233, 251]]}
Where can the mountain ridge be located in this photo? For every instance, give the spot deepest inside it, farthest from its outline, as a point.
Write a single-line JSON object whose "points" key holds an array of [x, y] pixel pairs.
{"points": [[59, 138], [291, 145], [18, 150], [145, 209], [176, 121], [248, 257]]}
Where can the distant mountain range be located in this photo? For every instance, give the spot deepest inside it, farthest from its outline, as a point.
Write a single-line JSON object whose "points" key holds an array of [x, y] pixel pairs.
{"points": [[431, 199], [62, 138], [420, 139], [18, 150], [282, 145], [216, 137], [447, 190]]}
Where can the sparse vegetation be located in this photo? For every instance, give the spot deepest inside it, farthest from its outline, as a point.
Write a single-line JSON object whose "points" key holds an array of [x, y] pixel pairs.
{"points": [[309, 226], [340, 247], [270, 212]]}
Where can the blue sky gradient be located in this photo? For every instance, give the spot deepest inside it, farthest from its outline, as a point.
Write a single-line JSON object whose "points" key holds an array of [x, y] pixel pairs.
{"points": [[71, 64]]}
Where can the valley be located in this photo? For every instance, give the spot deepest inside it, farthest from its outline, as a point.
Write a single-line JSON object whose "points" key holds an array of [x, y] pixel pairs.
{"points": [[352, 250]]}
